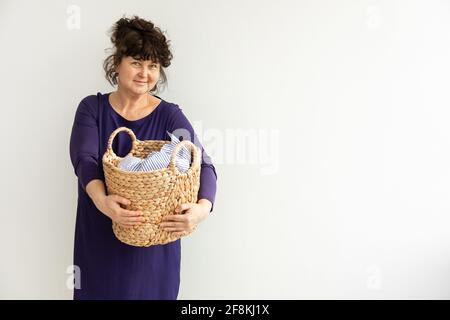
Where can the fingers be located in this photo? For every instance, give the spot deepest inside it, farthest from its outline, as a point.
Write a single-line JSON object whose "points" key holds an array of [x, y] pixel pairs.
{"points": [[134, 219], [174, 229], [184, 206], [126, 226], [175, 217], [128, 218], [173, 226], [121, 200], [129, 213], [175, 223], [127, 223]]}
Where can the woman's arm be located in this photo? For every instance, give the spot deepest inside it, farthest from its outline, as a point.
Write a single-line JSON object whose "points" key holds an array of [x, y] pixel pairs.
{"points": [[84, 149], [180, 126], [96, 191], [189, 215], [206, 203], [84, 143]]}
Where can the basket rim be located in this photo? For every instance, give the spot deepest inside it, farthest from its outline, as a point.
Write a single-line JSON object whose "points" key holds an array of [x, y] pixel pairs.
{"points": [[115, 168]]}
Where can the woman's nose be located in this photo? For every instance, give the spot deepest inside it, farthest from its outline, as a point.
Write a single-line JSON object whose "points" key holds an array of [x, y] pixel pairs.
{"points": [[143, 73]]}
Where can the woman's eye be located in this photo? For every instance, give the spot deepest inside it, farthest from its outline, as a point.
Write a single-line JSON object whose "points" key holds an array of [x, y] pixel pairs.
{"points": [[136, 63]]}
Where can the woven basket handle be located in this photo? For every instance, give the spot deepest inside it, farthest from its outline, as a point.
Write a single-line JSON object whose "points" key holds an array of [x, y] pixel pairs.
{"points": [[194, 153], [113, 135]]}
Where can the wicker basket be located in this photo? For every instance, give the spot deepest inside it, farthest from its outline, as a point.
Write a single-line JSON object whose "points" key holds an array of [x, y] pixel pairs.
{"points": [[156, 193]]}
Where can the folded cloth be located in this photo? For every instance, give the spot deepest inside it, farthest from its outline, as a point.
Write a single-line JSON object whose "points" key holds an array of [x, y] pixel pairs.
{"points": [[159, 159]]}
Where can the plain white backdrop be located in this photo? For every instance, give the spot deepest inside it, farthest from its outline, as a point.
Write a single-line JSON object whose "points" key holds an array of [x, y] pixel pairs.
{"points": [[327, 121]]}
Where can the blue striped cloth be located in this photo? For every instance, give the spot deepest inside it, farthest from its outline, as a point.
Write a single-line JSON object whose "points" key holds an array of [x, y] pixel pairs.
{"points": [[159, 159]]}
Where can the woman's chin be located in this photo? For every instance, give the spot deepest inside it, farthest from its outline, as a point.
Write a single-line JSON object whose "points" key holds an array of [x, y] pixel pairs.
{"points": [[139, 90]]}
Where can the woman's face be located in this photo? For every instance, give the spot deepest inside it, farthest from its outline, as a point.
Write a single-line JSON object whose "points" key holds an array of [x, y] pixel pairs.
{"points": [[137, 76]]}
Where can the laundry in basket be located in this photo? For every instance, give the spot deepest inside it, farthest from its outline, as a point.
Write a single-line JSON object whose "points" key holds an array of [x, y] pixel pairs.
{"points": [[158, 159]]}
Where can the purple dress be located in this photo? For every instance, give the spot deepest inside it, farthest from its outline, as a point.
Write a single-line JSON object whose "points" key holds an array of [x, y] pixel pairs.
{"points": [[108, 268]]}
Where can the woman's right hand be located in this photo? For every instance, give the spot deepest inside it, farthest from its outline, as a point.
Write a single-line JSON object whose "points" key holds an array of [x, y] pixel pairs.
{"points": [[110, 206]]}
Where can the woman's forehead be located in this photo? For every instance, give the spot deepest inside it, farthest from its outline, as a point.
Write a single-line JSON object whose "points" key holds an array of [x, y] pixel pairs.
{"points": [[141, 59]]}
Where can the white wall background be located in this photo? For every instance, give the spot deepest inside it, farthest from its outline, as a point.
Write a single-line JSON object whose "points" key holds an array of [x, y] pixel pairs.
{"points": [[344, 191]]}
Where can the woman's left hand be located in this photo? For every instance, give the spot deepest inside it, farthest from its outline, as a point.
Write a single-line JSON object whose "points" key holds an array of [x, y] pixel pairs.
{"points": [[191, 215]]}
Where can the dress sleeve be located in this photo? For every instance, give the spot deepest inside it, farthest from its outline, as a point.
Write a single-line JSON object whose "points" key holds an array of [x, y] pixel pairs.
{"points": [[180, 126], [84, 144]]}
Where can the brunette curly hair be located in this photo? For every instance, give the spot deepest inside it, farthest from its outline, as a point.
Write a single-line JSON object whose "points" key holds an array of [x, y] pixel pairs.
{"points": [[140, 39]]}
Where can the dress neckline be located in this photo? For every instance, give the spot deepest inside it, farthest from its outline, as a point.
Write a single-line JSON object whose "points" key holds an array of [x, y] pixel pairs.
{"points": [[137, 121]]}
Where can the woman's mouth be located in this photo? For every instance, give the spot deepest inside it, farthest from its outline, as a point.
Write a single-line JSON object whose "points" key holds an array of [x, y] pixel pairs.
{"points": [[140, 82]]}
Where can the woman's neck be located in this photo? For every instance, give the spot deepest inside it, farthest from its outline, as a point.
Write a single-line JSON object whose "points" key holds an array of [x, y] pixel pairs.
{"points": [[128, 102]]}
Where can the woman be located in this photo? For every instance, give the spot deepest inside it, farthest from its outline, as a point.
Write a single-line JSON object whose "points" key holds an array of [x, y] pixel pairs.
{"points": [[110, 269]]}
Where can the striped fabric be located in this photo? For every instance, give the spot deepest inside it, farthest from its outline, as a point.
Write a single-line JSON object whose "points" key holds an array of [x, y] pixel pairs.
{"points": [[159, 159]]}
